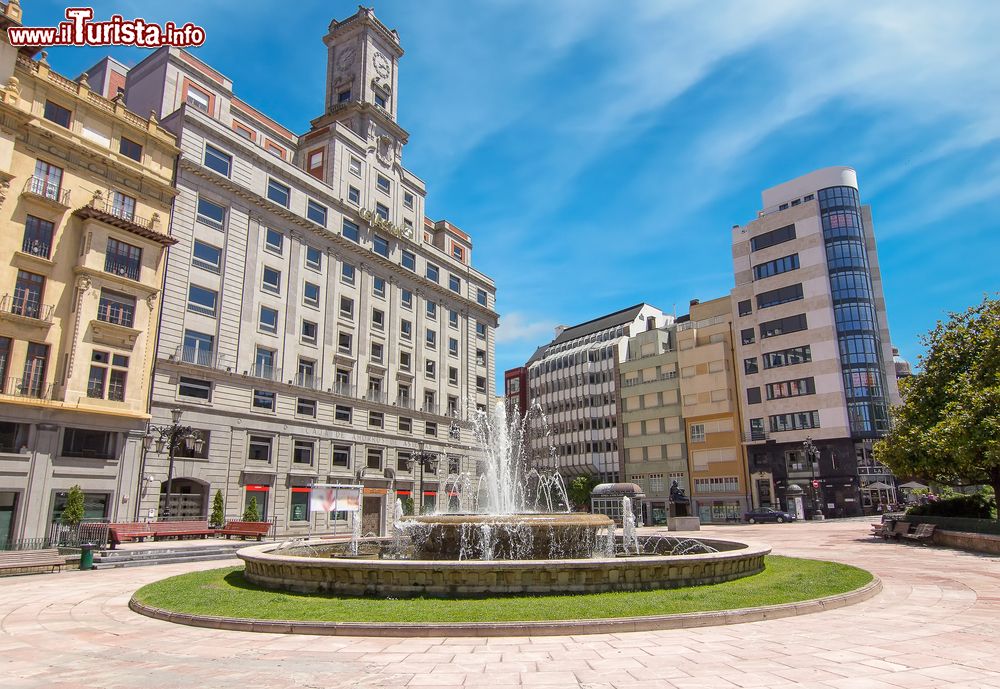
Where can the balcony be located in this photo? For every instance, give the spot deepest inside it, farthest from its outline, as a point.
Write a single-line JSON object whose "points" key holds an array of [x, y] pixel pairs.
{"points": [[124, 219], [26, 388], [430, 408], [376, 396], [122, 266], [24, 309], [37, 247], [266, 372], [198, 356], [754, 437], [343, 389], [307, 380], [46, 191], [405, 403]]}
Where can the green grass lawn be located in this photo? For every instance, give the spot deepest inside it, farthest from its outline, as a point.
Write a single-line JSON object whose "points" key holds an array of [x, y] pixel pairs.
{"points": [[225, 593]]}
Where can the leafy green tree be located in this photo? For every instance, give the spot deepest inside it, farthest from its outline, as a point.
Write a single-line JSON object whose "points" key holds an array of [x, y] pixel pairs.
{"points": [[72, 514], [251, 513], [579, 490], [948, 427], [218, 516]]}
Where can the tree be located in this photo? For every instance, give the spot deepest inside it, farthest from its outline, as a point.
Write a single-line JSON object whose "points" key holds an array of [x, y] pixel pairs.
{"points": [[580, 489], [218, 516], [72, 514], [948, 427], [251, 513]]}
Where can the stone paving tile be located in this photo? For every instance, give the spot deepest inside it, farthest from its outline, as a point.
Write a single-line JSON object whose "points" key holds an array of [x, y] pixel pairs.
{"points": [[934, 625]]}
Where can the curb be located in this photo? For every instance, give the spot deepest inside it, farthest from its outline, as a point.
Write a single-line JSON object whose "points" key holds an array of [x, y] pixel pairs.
{"points": [[549, 628]]}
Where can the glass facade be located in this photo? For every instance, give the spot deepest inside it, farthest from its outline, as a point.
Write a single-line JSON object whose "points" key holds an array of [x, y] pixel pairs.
{"points": [[854, 310]]}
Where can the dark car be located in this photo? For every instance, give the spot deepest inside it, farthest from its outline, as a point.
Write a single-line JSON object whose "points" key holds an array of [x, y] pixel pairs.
{"points": [[766, 514]]}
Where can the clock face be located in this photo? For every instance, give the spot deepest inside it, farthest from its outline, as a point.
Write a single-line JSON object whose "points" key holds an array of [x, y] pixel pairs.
{"points": [[346, 58], [381, 65]]}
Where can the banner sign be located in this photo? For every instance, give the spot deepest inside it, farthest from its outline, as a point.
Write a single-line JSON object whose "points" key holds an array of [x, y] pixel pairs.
{"points": [[334, 498]]}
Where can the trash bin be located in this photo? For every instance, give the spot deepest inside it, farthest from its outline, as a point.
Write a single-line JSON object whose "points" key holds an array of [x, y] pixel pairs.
{"points": [[86, 556]]}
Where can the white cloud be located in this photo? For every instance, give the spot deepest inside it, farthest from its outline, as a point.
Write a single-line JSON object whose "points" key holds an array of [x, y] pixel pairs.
{"points": [[516, 327]]}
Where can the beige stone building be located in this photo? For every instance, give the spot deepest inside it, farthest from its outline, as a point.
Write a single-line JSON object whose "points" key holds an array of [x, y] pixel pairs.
{"points": [[710, 406], [85, 207]]}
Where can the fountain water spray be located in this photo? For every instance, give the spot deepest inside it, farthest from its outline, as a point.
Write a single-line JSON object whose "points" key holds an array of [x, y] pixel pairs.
{"points": [[630, 539]]}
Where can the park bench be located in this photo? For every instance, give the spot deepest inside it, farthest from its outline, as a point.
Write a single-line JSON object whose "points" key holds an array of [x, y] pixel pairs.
{"points": [[128, 531], [245, 529], [899, 529], [882, 529], [19, 560], [179, 529], [922, 534]]}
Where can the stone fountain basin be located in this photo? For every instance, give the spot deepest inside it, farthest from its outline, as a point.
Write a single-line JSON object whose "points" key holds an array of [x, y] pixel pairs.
{"points": [[471, 578]]}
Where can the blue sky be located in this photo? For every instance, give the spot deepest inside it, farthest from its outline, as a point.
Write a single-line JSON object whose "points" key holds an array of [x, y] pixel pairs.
{"points": [[599, 152]]}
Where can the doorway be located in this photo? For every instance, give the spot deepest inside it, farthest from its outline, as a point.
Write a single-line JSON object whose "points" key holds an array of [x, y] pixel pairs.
{"points": [[371, 515], [8, 507]]}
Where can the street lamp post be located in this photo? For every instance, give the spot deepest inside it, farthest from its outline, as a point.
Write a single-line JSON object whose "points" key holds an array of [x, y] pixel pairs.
{"points": [[425, 460], [812, 452], [172, 438]]}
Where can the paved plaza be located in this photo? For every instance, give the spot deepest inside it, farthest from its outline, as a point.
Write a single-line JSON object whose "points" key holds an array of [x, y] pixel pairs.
{"points": [[936, 624]]}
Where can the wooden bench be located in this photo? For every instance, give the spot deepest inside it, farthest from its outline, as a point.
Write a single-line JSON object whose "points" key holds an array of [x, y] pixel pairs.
{"points": [[882, 529], [179, 529], [899, 529], [923, 533], [128, 531], [245, 529], [31, 559]]}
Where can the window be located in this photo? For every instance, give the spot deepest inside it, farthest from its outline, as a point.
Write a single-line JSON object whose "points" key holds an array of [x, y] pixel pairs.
{"points": [[217, 160], [130, 149], [408, 260], [850, 285], [345, 343], [264, 363], [347, 274], [263, 400], [259, 449], [47, 180], [697, 432], [376, 419], [380, 99], [341, 455], [37, 237], [299, 504], [405, 424], [383, 184], [100, 384], [481, 297], [783, 326], [344, 96], [58, 114], [430, 428], [268, 321], [778, 236], [481, 383], [197, 98], [380, 245], [431, 309], [430, 368], [193, 387], [245, 132], [753, 396], [382, 211], [453, 346], [305, 407], [310, 294], [202, 300], [404, 361], [274, 241], [374, 458], [481, 330], [744, 308], [347, 308], [274, 148], [432, 272], [788, 357], [748, 336], [782, 295], [406, 299], [83, 442], [350, 231], [278, 192], [122, 206], [314, 163], [123, 259], [378, 286], [314, 258], [750, 365], [309, 330], [303, 452], [206, 257], [342, 413], [794, 422], [776, 267], [354, 195], [453, 375], [377, 352], [211, 214], [355, 167], [115, 308], [791, 388], [480, 357], [407, 199], [316, 212], [454, 283], [431, 339], [271, 280], [378, 319], [458, 252]]}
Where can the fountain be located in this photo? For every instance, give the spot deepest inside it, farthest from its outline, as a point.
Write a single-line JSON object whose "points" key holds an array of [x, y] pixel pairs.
{"points": [[515, 534]]}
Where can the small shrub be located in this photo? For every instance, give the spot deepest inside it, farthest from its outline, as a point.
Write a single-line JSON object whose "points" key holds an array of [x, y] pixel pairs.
{"points": [[218, 511], [969, 506], [72, 514], [251, 513]]}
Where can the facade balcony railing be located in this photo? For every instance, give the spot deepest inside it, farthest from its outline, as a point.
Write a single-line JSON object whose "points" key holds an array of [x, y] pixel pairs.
{"points": [[430, 408], [376, 396], [266, 371], [405, 402], [46, 189], [26, 306], [308, 380], [198, 356], [121, 212], [754, 436], [344, 389], [37, 247], [123, 266], [26, 387]]}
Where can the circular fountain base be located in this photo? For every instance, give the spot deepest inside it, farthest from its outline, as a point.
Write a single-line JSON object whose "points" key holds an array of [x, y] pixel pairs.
{"points": [[320, 568]]}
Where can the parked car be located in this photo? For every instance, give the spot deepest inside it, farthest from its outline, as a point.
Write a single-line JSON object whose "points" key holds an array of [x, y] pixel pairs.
{"points": [[766, 514]]}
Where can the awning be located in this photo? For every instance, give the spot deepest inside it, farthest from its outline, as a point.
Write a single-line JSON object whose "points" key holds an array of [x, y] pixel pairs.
{"points": [[878, 485], [402, 492], [913, 485]]}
